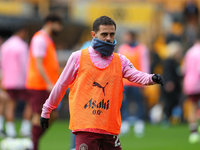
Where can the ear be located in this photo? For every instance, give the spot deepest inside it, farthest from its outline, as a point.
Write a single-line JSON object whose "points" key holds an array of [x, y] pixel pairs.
{"points": [[93, 34]]}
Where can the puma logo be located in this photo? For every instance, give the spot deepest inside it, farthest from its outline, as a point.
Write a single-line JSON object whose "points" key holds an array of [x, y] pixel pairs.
{"points": [[99, 86]]}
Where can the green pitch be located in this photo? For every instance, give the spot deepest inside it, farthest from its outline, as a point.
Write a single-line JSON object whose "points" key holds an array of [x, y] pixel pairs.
{"points": [[155, 138]]}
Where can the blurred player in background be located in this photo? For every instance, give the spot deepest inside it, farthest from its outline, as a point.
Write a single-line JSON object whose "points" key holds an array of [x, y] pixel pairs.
{"points": [[94, 76], [14, 54], [43, 70], [191, 86], [171, 93], [138, 55]]}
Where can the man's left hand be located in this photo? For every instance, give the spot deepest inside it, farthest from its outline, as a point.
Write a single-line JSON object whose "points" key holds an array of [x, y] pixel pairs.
{"points": [[158, 79]]}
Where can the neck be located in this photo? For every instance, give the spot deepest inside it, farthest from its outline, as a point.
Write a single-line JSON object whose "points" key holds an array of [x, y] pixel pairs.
{"points": [[105, 48], [19, 35], [133, 44], [47, 30], [197, 42]]}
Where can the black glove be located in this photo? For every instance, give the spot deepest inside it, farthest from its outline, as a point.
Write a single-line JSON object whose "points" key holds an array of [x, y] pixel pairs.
{"points": [[44, 122], [158, 79]]}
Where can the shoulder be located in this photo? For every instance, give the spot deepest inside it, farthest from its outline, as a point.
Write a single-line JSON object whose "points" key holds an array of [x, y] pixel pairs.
{"points": [[122, 57], [76, 53], [143, 48], [7, 42], [38, 41], [4, 44], [21, 42], [75, 56], [38, 38], [124, 60]]}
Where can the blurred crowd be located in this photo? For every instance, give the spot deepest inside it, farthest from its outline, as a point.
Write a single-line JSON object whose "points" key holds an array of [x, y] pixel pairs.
{"points": [[165, 55], [167, 58]]}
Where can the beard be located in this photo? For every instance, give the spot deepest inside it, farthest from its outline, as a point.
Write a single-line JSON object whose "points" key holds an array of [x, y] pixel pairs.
{"points": [[55, 32], [109, 41]]}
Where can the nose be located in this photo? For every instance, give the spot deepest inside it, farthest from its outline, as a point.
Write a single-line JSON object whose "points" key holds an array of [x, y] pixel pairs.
{"points": [[108, 38]]}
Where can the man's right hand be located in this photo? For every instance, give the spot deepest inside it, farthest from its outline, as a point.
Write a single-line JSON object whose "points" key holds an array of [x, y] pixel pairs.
{"points": [[44, 122]]}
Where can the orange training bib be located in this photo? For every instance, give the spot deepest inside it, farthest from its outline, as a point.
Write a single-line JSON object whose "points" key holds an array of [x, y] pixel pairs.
{"points": [[96, 95]]}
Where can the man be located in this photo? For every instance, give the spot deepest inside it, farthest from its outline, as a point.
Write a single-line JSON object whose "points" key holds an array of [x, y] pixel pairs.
{"points": [[43, 70], [171, 93], [94, 76], [14, 54], [191, 87], [138, 55]]}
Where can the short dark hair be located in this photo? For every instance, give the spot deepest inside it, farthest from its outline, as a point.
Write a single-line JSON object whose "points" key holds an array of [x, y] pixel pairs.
{"points": [[53, 17], [103, 20]]}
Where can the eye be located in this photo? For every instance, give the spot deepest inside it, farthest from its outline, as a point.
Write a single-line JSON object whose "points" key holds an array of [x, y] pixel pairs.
{"points": [[104, 34], [112, 34]]}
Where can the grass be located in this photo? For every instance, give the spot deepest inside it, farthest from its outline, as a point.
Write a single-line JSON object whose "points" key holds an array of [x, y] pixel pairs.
{"points": [[156, 138]]}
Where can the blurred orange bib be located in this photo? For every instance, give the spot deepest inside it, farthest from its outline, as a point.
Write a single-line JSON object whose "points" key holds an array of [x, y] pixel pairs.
{"points": [[50, 64], [96, 95], [134, 55]]}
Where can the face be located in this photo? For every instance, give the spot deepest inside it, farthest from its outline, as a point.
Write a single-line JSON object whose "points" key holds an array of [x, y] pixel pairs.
{"points": [[127, 38], [56, 28], [106, 33], [24, 34]]}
